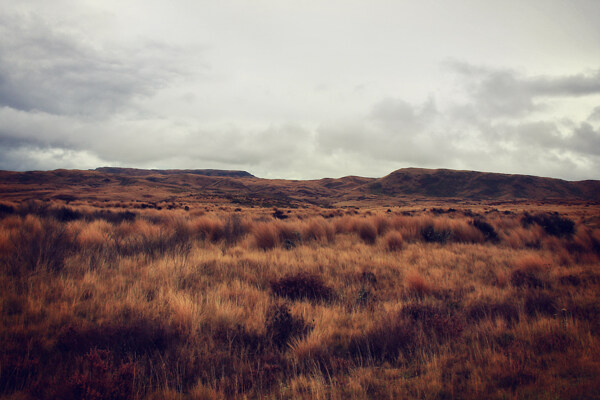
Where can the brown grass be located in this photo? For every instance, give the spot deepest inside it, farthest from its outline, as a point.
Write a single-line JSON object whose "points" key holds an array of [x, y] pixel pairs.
{"points": [[393, 241], [327, 303]]}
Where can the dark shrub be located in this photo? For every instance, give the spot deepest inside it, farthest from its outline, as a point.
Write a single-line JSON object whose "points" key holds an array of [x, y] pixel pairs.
{"points": [[431, 235], [508, 379], [540, 303], [526, 278], [572, 280], [488, 230], [6, 209], [368, 277], [66, 214], [33, 207], [278, 214], [553, 224], [281, 326], [302, 285], [98, 377], [437, 319], [114, 217], [490, 309], [386, 341], [546, 342], [136, 336], [21, 356], [367, 232], [238, 339]]}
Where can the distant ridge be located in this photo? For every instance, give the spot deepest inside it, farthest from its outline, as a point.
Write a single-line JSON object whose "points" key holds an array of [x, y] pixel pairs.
{"points": [[399, 187], [447, 183], [146, 172]]}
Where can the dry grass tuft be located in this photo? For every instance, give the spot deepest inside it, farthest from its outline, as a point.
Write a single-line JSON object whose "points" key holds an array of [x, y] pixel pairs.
{"points": [[529, 272], [417, 285], [393, 241], [266, 236], [301, 286], [367, 231]]}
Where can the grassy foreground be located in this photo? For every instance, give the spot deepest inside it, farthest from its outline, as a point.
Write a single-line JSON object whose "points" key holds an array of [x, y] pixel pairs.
{"points": [[102, 303]]}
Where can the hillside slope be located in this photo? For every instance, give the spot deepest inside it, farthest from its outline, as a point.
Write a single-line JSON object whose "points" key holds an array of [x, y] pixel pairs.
{"points": [[446, 183], [127, 184]]}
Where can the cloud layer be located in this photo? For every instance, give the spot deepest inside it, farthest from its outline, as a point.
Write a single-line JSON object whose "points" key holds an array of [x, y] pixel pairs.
{"points": [[73, 96]]}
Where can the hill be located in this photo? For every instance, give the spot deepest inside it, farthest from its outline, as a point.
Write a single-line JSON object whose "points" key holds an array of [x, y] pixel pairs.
{"points": [[240, 187], [444, 183], [147, 172]]}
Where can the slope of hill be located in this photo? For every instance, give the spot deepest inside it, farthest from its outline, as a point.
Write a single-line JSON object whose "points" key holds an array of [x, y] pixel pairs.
{"points": [[128, 184], [446, 183], [147, 172]]}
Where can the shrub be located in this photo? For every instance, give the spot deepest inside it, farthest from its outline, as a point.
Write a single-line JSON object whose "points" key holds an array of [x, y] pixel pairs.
{"points": [[526, 278], [302, 285], [66, 214], [278, 214], [386, 340], [393, 241], [281, 326], [6, 209], [367, 232], [491, 309], [488, 230], [540, 303], [98, 377], [288, 234], [435, 319], [139, 335], [114, 217], [432, 235], [553, 224]]}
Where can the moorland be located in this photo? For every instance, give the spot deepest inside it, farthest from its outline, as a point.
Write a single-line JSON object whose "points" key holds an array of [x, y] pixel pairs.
{"points": [[204, 284]]}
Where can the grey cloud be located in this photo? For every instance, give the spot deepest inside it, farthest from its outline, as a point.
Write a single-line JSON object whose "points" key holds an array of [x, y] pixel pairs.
{"points": [[59, 71], [508, 93], [394, 130], [586, 140], [574, 85], [594, 115], [37, 136]]}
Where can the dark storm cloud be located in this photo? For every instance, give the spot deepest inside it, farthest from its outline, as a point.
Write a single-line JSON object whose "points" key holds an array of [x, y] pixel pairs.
{"points": [[44, 68]]}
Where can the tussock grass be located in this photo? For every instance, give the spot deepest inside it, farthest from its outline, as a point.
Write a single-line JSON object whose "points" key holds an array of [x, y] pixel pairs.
{"points": [[371, 304]]}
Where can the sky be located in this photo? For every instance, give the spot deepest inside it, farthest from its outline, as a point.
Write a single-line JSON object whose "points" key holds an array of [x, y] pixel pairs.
{"points": [[302, 89]]}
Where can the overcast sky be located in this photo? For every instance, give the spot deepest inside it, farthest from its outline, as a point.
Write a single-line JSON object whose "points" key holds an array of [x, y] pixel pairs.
{"points": [[302, 89]]}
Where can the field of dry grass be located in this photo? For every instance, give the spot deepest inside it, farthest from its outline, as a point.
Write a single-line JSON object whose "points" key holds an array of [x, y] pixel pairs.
{"points": [[217, 302]]}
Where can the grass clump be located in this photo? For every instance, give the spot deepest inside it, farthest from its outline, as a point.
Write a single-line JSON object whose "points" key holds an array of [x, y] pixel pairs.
{"points": [[302, 286], [393, 241]]}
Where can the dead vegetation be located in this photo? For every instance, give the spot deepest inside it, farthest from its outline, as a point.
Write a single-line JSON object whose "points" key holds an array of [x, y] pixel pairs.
{"points": [[99, 303]]}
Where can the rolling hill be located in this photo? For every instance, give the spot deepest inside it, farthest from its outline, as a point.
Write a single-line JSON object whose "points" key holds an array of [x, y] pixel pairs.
{"points": [[240, 187]]}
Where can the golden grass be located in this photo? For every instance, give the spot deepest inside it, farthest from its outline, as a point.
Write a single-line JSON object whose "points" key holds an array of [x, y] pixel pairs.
{"points": [[189, 305]]}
